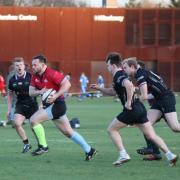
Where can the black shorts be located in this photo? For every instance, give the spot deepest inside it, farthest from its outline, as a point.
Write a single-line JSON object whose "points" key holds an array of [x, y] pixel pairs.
{"points": [[26, 110], [165, 104], [56, 110], [138, 114]]}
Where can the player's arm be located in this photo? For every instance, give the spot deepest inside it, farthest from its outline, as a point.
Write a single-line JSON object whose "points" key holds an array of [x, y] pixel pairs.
{"points": [[141, 77], [144, 92], [107, 91], [9, 98], [130, 91], [9, 102], [65, 86], [35, 92]]}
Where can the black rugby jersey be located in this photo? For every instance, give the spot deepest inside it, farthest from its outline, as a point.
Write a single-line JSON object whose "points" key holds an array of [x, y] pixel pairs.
{"points": [[118, 79], [20, 85], [155, 83]]}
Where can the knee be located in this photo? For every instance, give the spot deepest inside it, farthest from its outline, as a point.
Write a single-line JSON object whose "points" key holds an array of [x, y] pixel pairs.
{"points": [[110, 130], [175, 129], [17, 125], [32, 122], [150, 136]]}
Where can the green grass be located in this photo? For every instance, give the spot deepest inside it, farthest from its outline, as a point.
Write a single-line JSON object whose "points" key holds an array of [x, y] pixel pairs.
{"points": [[65, 160]]}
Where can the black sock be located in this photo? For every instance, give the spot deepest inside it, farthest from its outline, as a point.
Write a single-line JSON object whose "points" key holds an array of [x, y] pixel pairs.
{"points": [[155, 148], [152, 145], [148, 142], [26, 141]]}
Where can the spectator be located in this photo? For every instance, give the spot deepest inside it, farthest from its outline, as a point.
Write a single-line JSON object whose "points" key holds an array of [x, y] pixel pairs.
{"points": [[10, 118], [83, 83], [2, 86], [100, 81]]}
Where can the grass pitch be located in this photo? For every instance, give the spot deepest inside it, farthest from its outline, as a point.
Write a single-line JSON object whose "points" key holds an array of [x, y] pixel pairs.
{"points": [[65, 160]]}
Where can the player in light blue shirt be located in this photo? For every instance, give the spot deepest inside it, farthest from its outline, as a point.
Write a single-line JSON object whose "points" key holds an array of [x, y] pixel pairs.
{"points": [[100, 80], [83, 83]]}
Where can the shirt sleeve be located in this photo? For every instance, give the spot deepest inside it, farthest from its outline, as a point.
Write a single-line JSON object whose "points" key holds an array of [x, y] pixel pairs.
{"points": [[57, 77], [141, 77], [120, 79], [32, 81], [10, 87]]}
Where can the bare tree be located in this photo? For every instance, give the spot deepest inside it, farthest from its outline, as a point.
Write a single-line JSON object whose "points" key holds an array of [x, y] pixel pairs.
{"points": [[7, 2], [69, 3], [47, 3], [133, 4], [43, 3], [175, 3], [146, 4]]}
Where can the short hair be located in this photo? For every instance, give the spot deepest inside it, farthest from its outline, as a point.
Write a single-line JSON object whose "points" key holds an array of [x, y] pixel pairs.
{"points": [[131, 62], [142, 64], [114, 58], [18, 59], [41, 58]]}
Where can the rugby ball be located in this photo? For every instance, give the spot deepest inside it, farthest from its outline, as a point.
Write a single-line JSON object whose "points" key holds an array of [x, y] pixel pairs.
{"points": [[47, 94]]}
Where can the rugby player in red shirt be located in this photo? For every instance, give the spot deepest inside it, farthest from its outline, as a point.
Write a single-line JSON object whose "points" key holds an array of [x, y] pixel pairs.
{"points": [[46, 78]]}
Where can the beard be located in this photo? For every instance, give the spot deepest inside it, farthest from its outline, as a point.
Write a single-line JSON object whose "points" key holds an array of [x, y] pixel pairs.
{"points": [[37, 71]]}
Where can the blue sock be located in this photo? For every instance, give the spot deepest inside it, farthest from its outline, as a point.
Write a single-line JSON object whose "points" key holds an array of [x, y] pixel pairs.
{"points": [[78, 139]]}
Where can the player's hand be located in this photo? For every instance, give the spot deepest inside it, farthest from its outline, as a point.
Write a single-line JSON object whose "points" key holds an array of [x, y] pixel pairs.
{"points": [[94, 86], [128, 106], [142, 98], [51, 98], [40, 106], [43, 90], [137, 91], [3, 93]]}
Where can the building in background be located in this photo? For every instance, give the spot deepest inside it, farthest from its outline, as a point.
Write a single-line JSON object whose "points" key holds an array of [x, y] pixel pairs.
{"points": [[122, 3], [78, 39]]}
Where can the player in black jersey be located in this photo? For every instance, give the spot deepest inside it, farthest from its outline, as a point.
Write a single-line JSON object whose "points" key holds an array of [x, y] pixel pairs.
{"points": [[162, 105], [25, 105], [133, 112]]}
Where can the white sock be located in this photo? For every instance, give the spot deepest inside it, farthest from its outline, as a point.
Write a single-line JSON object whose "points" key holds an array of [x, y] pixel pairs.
{"points": [[169, 155], [123, 153]]}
